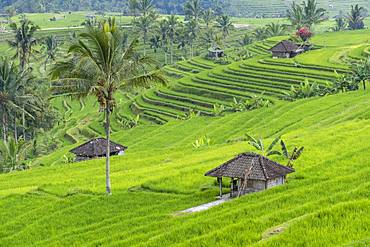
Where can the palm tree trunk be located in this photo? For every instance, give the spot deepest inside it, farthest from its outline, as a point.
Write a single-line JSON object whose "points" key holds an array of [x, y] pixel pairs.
{"points": [[171, 51], [107, 162], [15, 130], [364, 84], [4, 127], [24, 124]]}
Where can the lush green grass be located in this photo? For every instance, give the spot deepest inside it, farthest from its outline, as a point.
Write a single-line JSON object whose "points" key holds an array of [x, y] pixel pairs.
{"points": [[325, 203]]}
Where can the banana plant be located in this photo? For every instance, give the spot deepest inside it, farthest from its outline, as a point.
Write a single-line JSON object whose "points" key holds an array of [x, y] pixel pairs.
{"points": [[291, 156], [258, 144], [12, 153]]}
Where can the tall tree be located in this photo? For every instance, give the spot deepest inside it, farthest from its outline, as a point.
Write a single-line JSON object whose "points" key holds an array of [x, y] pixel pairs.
{"points": [[224, 24], [312, 13], [356, 17], [50, 46], [24, 41], [145, 6], [133, 7], [191, 34], [144, 25], [193, 9], [13, 96], [173, 24], [100, 68], [208, 17], [295, 15]]}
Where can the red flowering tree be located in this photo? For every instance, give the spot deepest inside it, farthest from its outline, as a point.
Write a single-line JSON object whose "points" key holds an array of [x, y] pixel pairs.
{"points": [[304, 33]]}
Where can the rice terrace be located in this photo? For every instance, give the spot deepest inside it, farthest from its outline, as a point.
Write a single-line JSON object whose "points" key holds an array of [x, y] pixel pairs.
{"points": [[185, 123]]}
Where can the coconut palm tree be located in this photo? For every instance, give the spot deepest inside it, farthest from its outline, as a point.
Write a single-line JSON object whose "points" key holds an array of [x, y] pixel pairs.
{"points": [[208, 17], [155, 42], [275, 29], [100, 68], [193, 9], [13, 96], [144, 25], [246, 40], [257, 143], [24, 41], [172, 26], [163, 30], [224, 23], [191, 34], [50, 49], [295, 15], [356, 17], [312, 13], [145, 6]]}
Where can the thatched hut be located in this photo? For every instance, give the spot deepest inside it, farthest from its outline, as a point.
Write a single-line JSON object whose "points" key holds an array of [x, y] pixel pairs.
{"points": [[286, 49], [250, 172], [97, 148], [215, 52]]}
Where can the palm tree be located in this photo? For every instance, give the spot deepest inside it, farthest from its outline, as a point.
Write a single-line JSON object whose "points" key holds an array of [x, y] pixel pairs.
{"points": [[260, 33], [258, 144], [133, 6], [292, 156], [50, 49], [340, 24], [24, 41], [163, 30], [145, 6], [275, 29], [208, 17], [191, 34], [224, 23], [143, 25], [312, 14], [246, 40], [155, 43], [295, 15], [100, 68], [193, 9], [173, 24], [356, 17], [13, 96]]}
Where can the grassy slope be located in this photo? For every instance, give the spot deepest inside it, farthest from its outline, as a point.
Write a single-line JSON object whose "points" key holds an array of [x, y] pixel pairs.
{"points": [[325, 202]]}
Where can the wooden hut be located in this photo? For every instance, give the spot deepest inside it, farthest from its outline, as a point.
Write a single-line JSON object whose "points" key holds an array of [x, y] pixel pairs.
{"points": [[286, 49], [215, 52], [97, 148], [250, 172]]}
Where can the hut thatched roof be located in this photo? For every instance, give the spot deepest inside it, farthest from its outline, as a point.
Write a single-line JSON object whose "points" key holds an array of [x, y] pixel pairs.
{"points": [[258, 167], [97, 148], [215, 49], [285, 46]]}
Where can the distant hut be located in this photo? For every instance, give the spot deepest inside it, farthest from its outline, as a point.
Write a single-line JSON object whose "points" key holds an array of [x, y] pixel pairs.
{"points": [[215, 52], [97, 148], [250, 172], [286, 49]]}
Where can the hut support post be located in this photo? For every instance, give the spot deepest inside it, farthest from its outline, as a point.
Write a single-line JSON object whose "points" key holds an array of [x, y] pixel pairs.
{"points": [[220, 185], [231, 187]]}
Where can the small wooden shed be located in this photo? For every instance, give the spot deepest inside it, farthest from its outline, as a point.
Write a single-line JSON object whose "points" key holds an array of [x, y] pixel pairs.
{"points": [[97, 148], [215, 52], [250, 172], [286, 49]]}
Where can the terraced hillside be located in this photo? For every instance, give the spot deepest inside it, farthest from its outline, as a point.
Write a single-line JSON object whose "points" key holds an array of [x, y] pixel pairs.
{"points": [[325, 203], [204, 84], [277, 8]]}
